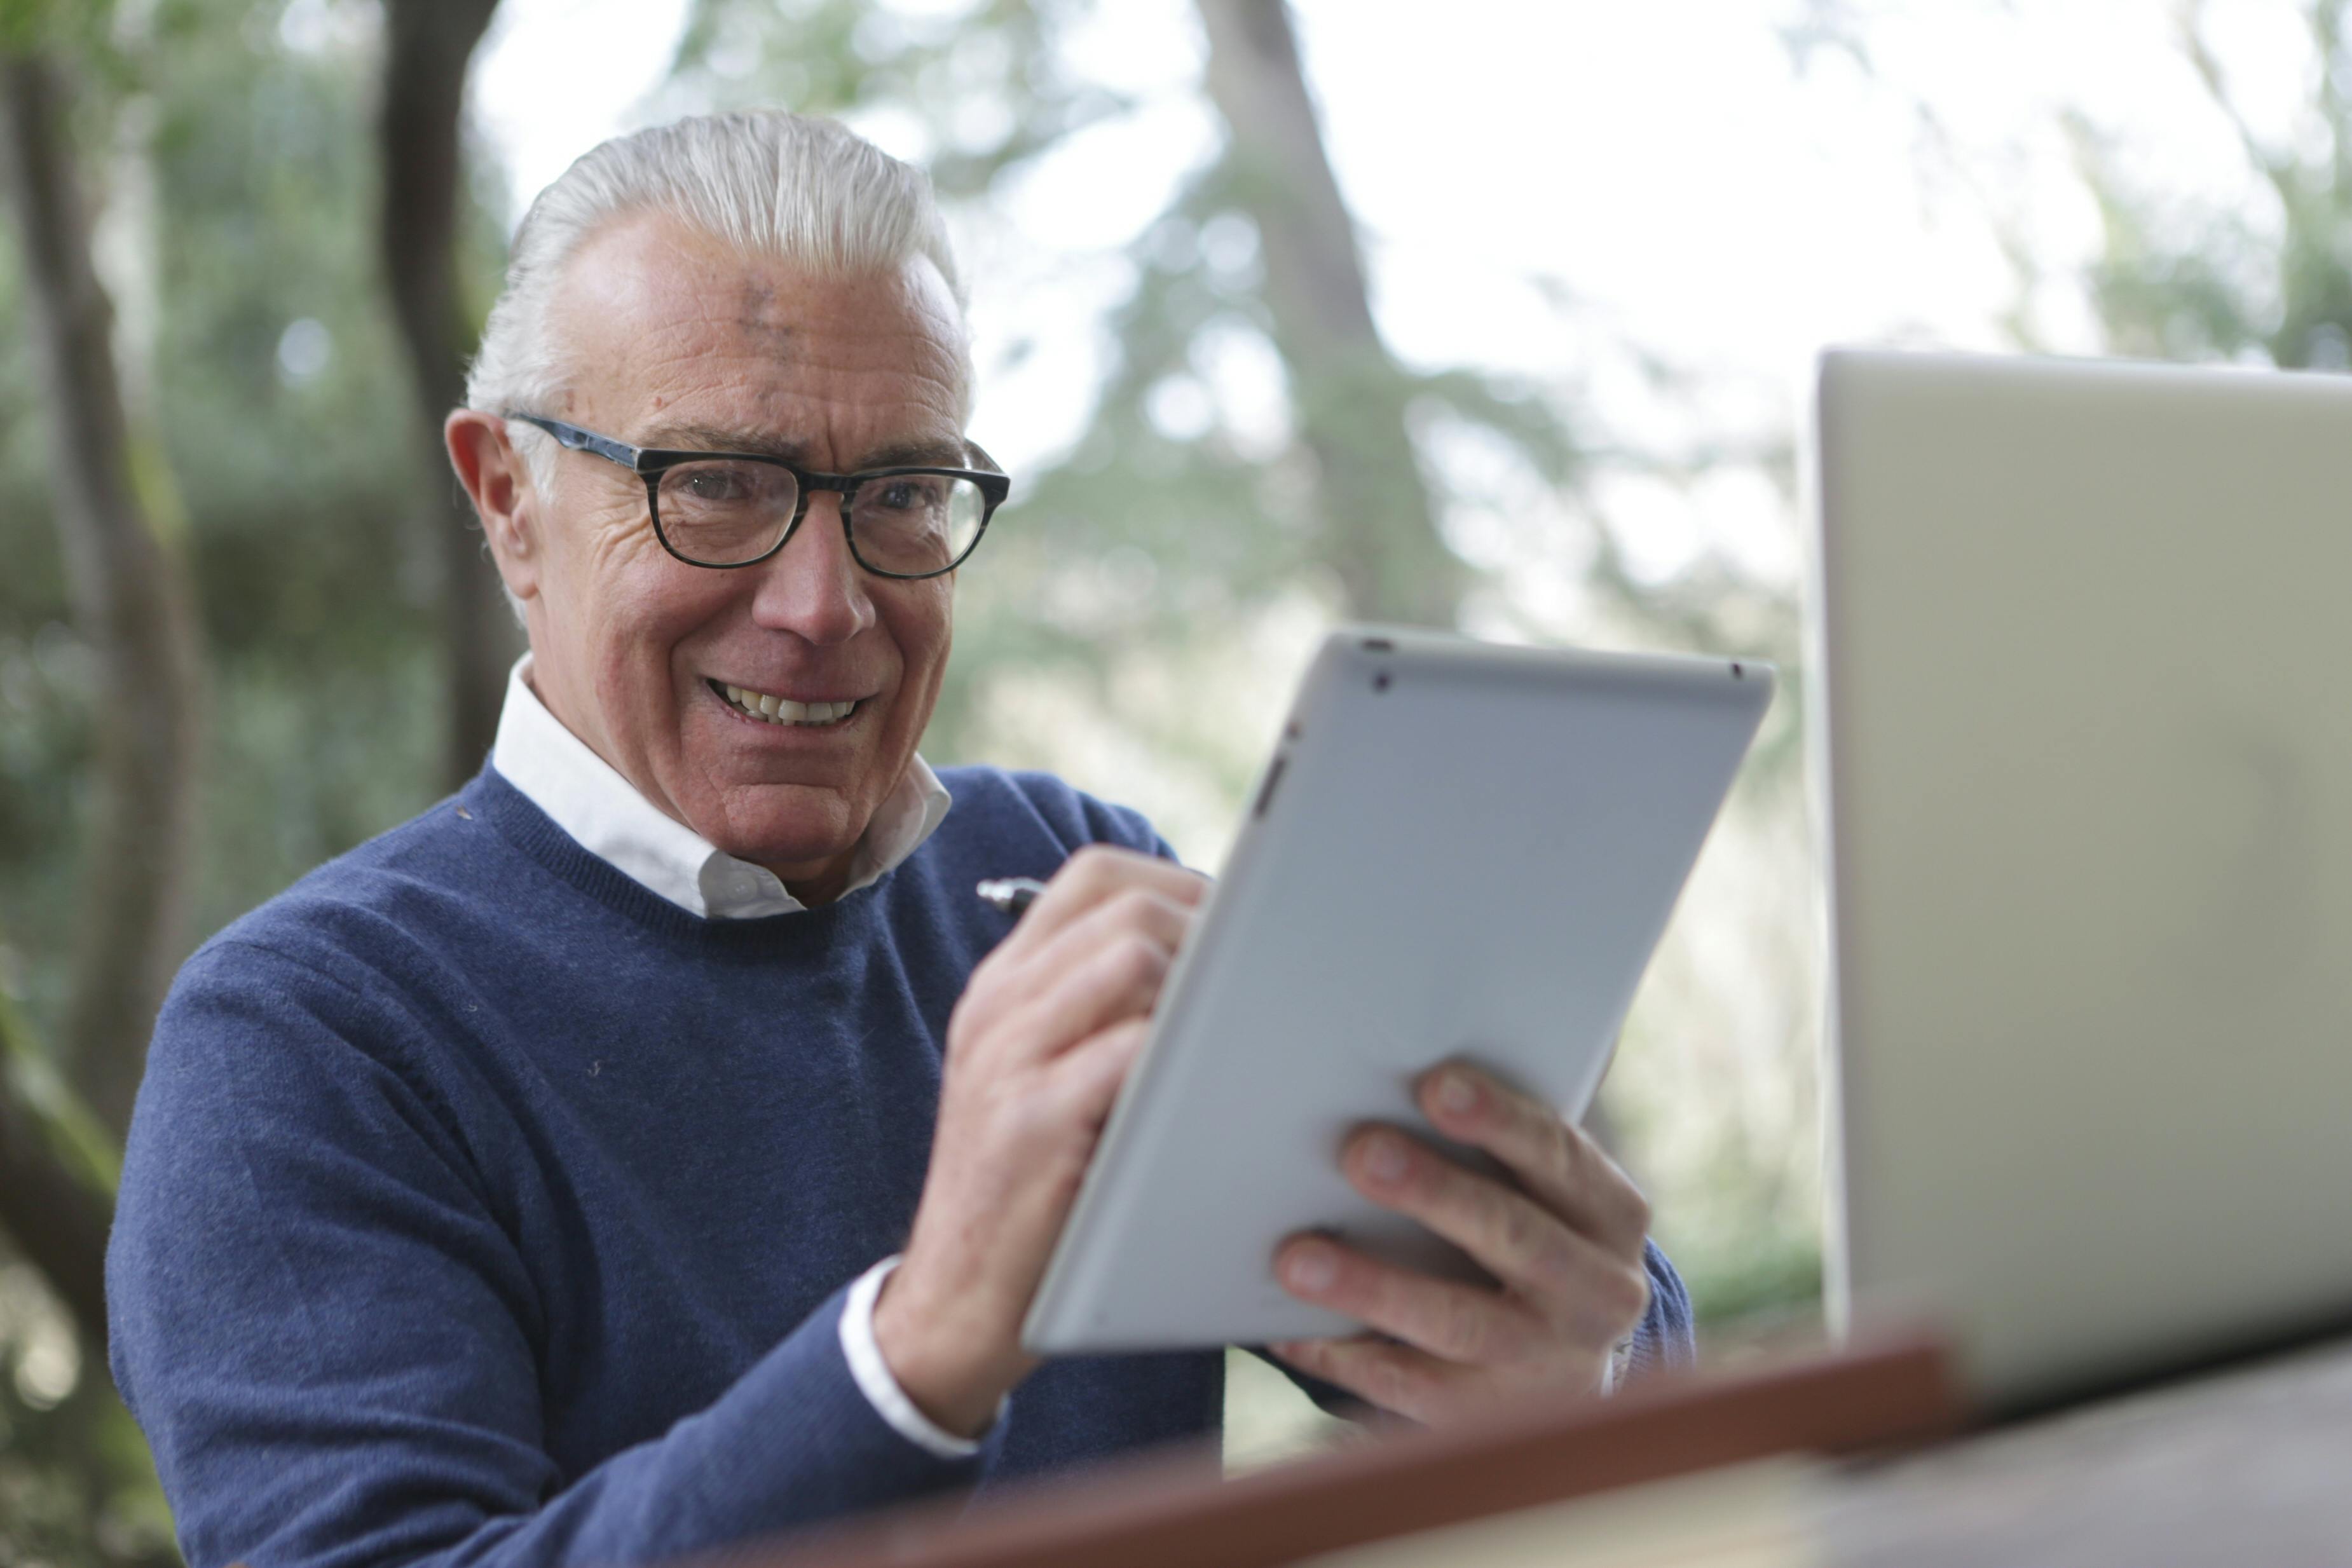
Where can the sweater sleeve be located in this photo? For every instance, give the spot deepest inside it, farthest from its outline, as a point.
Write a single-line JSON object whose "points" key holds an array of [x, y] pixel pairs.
{"points": [[1667, 1338], [333, 1344]]}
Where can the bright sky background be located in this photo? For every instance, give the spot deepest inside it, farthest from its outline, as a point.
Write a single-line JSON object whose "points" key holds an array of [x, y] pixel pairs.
{"points": [[1543, 187]]}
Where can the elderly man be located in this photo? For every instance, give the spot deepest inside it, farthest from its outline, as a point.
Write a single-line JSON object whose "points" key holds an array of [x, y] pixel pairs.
{"points": [[657, 1144]]}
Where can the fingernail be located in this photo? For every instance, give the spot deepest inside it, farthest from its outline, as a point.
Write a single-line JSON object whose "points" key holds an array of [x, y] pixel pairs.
{"points": [[1311, 1268], [1386, 1162], [1456, 1094]]}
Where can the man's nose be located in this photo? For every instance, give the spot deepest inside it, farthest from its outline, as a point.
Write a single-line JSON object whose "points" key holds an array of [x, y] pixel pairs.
{"points": [[814, 588]]}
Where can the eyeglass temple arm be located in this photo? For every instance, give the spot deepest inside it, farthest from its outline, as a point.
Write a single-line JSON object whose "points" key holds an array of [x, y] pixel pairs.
{"points": [[580, 439]]}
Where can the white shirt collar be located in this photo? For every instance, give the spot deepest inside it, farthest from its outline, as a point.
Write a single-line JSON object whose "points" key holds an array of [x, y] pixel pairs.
{"points": [[588, 798]]}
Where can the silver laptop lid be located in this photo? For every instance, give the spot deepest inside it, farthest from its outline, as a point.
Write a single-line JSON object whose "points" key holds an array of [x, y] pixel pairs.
{"points": [[2084, 718]]}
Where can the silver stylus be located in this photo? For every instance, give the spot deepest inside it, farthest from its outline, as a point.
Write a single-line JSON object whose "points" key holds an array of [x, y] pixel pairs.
{"points": [[1012, 894]]}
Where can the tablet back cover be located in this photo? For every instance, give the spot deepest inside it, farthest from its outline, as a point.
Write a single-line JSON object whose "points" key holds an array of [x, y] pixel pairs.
{"points": [[1457, 849]]}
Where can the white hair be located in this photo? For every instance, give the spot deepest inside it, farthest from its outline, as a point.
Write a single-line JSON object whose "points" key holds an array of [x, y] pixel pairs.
{"points": [[806, 190]]}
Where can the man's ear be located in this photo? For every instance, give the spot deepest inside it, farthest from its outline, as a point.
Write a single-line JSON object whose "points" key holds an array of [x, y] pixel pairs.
{"points": [[498, 483]]}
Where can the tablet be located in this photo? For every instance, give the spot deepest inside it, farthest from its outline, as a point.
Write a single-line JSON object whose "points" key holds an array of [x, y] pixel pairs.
{"points": [[1456, 850]]}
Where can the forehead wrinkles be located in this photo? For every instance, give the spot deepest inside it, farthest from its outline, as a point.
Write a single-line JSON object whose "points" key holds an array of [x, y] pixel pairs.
{"points": [[658, 314], [710, 376]]}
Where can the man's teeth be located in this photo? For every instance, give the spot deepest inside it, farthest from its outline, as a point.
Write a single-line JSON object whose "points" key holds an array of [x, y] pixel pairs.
{"points": [[783, 710]]}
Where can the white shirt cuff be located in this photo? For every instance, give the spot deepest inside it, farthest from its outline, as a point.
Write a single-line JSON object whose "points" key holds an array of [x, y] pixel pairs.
{"points": [[1613, 1368], [873, 1376]]}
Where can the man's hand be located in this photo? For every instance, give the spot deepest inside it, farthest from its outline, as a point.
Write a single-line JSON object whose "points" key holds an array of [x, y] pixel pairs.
{"points": [[1036, 1049], [1565, 1246]]}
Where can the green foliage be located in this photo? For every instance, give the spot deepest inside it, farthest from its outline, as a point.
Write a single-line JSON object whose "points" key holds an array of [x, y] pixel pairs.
{"points": [[1757, 1279], [250, 172], [73, 26], [2267, 276], [295, 474], [34, 1082], [988, 84], [76, 1487], [77, 1484]]}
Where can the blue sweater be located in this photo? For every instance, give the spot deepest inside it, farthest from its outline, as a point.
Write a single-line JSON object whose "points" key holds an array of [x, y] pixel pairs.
{"points": [[483, 1207]]}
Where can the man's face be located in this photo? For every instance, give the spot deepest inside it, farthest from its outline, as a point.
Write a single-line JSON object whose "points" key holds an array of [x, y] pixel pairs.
{"points": [[673, 339]]}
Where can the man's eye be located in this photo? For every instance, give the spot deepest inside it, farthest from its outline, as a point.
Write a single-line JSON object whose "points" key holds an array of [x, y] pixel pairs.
{"points": [[715, 485], [913, 494]]}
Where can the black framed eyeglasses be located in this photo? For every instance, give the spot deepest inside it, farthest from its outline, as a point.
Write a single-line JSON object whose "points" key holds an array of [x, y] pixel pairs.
{"points": [[726, 510]]}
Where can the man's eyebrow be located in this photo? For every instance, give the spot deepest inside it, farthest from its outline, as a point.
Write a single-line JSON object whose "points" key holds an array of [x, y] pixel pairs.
{"points": [[713, 438], [927, 452]]}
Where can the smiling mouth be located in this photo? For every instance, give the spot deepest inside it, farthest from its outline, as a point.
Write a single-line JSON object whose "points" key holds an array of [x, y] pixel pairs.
{"points": [[783, 710]]}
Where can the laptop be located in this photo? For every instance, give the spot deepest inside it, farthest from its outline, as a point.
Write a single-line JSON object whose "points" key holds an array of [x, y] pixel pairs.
{"points": [[2082, 712]]}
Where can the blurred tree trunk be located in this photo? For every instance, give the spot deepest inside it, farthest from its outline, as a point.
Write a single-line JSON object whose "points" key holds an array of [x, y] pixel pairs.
{"points": [[133, 606], [1377, 520], [427, 46], [1377, 525], [55, 1209]]}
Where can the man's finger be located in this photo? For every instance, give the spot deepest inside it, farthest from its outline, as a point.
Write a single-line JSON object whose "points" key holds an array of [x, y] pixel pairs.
{"points": [[1097, 873], [1085, 1081], [1011, 978], [1393, 1378], [1567, 1276], [1136, 907], [1467, 1324], [1562, 1168], [1110, 971]]}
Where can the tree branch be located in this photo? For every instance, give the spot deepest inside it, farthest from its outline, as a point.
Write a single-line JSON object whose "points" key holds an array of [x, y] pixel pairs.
{"points": [[427, 46], [1378, 526], [2278, 169], [54, 1182], [132, 605]]}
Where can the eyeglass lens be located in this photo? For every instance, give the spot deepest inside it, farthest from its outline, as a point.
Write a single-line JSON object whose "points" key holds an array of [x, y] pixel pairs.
{"points": [[727, 512]]}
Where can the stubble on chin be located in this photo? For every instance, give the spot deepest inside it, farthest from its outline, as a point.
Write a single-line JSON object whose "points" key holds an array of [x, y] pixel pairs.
{"points": [[796, 831]]}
